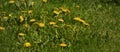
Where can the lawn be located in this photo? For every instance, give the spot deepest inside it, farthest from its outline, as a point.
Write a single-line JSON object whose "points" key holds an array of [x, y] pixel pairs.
{"points": [[59, 26]]}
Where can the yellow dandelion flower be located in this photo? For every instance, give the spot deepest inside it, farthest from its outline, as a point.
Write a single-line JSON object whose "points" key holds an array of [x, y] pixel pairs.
{"points": [[44, 1], [32, 20], [10, 15], [21, 34], [26, 25], [27, 44], [30, 11], [87, 24], [21, 19], [32, 3], [11, 1], [41, 24], [61, 20], [81, 20], [77, 6], [56, 26], [77, 18], [5, 18], [52, 23], [63, 45], [2, 28], [56, 12], [65, 10]]}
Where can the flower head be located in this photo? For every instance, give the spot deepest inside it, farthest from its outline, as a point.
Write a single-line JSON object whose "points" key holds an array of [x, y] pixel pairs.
{"points": [[40, 24], [21, 19], [32, 3], [77, 6], [2, 28], [27, 44], [63, 45], [10, 15], [26, 25], [52, 23], [56, 26], [65, 10], [87, 24], [44, 1], [30, 11], [32, 20], [56, 12], [81, 20], [61, 20], [21, 34], [11, 1]]}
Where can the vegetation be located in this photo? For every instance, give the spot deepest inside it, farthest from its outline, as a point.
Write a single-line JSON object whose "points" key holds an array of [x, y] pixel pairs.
{"points": [[59, 26]]}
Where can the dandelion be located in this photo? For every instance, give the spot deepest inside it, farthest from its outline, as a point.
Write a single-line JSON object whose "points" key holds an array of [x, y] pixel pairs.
{"points": [[26, 25], [40, 24], [27, 44], [30, 11], [63, 45], [10, 15], [32, 3], [81, 20], [11, 1], [5, 18], [65, 10], [52, 23], [44, 1], [61, 20], [21, 34], [77, 6], [2, 28], [56, 26], [56, 12], [76, 18], [87, 24], [21, 19], [32, 20]]}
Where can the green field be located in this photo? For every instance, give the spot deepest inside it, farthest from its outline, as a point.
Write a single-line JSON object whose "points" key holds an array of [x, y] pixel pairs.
{"points": [[96, 29]]}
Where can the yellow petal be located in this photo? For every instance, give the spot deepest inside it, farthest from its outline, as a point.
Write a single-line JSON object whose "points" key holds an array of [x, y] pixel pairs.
{"points": [[44, 1], [2, 28], [41, 24], [32, 20], [61, 20], [56, 12], [21, 34], [21, 19], [52, 23], [86, 24], [30, 11], [27, 44], [63, 45], [26, 25], [11, 1]]}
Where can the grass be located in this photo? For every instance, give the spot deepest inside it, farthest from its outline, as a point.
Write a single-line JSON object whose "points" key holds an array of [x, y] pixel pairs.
{"points": [[101, 36]]}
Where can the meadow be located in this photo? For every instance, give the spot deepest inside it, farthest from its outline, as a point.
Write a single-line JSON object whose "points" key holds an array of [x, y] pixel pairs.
{"points": [[59, 26]]}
